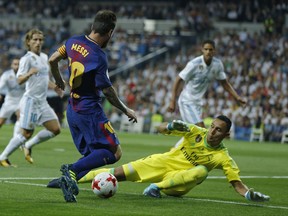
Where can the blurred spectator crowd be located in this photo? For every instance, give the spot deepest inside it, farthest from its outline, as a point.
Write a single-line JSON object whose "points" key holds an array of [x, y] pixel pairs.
{"points": [[220, 10], [257, 67], [256, 63]]}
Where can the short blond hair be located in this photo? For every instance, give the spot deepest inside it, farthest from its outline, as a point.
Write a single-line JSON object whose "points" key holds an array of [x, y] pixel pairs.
{"points": [[29, 36]]}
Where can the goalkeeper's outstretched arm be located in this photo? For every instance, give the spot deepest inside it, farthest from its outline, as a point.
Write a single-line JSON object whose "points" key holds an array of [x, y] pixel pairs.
{"points": [[249, 194], [178, 125]]}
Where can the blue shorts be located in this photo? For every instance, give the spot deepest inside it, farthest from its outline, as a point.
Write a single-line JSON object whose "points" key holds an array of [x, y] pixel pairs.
{"points": [[91, 131]]}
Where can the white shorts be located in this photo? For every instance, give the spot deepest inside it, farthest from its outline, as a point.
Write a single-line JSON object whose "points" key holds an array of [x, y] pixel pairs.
{"points": [[10, 106], [190, 112], [34, 112]]}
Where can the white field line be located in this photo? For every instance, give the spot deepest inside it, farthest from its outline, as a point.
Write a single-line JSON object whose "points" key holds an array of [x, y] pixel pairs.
{"points": [[209, 177], [251, 177], [238, 203], [7, 180]]}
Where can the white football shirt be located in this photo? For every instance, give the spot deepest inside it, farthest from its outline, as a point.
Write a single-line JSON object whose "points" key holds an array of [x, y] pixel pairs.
{"points": [[198, 76], [8, 81], [37, 85]]}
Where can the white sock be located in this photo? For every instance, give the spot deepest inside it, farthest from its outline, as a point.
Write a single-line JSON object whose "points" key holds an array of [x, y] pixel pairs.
{"points": [[17, 129], [40, 137], [14, 143]]}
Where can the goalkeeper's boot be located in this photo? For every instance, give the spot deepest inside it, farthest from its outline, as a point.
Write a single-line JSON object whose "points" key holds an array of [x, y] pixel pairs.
{"points": [[54, 183], [71, 178], [27, 153], [152, 191], [6, 163], [66, 189]]}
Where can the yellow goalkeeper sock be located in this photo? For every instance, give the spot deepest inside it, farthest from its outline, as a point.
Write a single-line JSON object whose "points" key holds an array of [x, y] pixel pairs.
{"points": [[90, 175]]}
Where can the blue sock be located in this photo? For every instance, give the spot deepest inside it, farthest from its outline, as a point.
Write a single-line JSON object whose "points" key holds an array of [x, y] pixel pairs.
{"points": [[97, 158]]}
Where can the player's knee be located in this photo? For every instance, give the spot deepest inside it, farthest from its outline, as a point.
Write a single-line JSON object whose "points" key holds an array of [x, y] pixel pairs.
{"points": [[2, 121], [118, 153], [202, 173], [55, 130], [117, 157], [27, 134]]}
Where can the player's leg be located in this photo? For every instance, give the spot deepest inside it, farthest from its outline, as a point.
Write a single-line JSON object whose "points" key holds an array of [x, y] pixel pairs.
{"points": [[97, 158], [50, 131], [86, 178], [122, 173], [52, 128], [2, 121], [13, 144], [191, 112], [94, 138], [141, 170], [181, 182], [17, 128], [6, 111], [27, 122], [91, 174]]}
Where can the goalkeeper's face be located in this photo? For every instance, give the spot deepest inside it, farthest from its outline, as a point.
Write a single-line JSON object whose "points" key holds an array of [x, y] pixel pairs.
{"points": [[217, 132]]}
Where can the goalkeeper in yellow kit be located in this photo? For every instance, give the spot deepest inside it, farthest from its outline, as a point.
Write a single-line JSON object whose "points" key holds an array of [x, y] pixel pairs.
{"points": [[178, 171]]}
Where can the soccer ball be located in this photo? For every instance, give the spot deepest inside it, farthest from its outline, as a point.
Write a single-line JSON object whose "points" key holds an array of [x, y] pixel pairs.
{"points": [[104, 185]]}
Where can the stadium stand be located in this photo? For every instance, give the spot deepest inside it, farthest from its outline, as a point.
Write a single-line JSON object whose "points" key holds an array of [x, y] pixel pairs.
{"points": [[151, 46]]}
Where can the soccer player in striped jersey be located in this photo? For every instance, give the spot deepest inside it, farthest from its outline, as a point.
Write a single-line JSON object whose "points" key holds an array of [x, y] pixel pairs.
{"points": [[196, 78], [90, 128], [178, 171], [34, 108], [14, 94]]}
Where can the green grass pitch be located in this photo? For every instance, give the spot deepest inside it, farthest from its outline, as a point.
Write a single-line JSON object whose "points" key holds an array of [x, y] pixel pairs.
{"points": [[22, 190]]}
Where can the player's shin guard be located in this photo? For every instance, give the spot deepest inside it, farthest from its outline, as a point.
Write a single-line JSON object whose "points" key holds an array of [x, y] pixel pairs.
{"points": [[183, 181]]}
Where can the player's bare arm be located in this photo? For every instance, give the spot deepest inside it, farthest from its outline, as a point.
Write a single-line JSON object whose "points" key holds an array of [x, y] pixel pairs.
{"points": [[177, 87], [113, 98], [59, 91], [23, 78], [53, 61], [239, 187], [249, 194], [228, 87]]}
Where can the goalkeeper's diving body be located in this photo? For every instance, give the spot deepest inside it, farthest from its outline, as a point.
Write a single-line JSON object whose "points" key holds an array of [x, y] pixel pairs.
{"points": [[176, 172]]}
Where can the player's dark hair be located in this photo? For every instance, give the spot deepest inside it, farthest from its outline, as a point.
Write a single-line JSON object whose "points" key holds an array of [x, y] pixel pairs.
{"points": [[104, 21], [226, 120], [208, 41]]}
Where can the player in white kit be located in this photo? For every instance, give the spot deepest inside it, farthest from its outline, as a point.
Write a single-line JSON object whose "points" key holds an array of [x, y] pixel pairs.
{"points": [[34, 109], [196, 77], [14, 93]]}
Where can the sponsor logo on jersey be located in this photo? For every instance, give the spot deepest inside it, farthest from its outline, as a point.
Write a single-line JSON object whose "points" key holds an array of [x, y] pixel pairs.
{"points": [[198, 138]]}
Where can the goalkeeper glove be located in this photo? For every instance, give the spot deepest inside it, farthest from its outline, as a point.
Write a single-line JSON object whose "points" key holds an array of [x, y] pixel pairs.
{"points": [[178, 125], [252, 195]]}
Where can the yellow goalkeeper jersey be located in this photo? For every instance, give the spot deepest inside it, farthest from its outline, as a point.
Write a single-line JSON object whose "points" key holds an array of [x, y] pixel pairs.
{"points": [[195, 150]]}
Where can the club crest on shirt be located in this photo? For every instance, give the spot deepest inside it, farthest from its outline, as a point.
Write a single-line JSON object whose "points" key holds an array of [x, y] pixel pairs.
{"points": [[198, 138], [201, 67]]}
